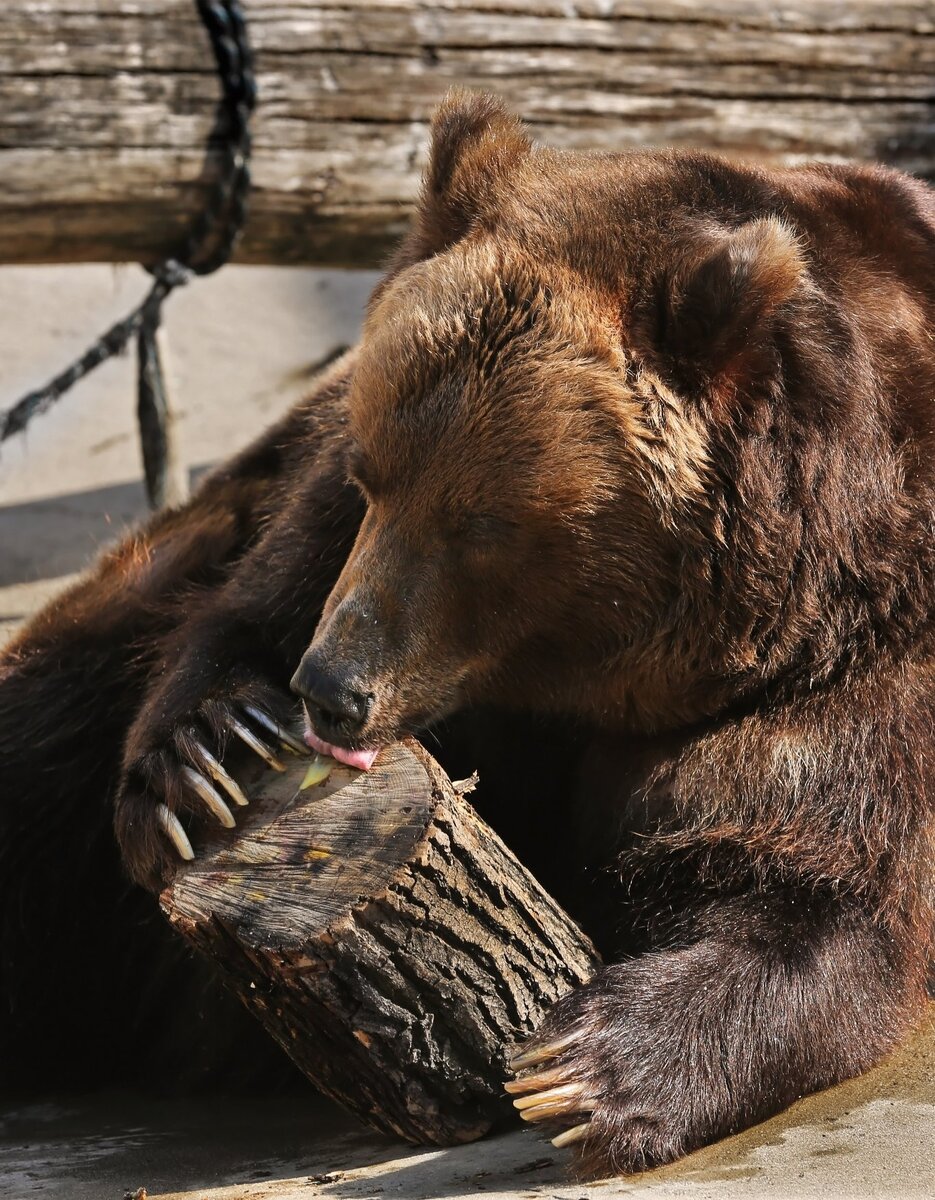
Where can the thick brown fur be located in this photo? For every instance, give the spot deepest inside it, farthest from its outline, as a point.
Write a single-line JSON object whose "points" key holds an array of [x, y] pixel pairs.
{"points": [[642, 444], [93, 986]]}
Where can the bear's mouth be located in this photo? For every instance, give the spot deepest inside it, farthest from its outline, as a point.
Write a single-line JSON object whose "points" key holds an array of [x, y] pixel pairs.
{"points": [[361, 760]]}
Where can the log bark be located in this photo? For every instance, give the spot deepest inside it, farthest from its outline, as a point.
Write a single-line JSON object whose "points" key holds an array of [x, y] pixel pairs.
{"points": [[106, 105], [385, 937]]}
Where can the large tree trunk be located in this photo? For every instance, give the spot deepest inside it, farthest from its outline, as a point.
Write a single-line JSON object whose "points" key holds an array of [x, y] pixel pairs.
{"points": [[106, 105], [386, 937]]}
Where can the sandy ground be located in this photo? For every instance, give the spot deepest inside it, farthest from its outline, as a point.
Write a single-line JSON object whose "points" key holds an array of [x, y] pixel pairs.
{"points": [[872, 1138], [242, 347]]}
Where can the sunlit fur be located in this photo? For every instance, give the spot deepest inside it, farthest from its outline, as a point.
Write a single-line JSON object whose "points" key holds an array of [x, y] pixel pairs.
{"points": [[638, 447]]}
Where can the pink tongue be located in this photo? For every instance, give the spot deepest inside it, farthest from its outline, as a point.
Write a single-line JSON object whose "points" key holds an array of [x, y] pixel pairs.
{"points": [[361, 759]]}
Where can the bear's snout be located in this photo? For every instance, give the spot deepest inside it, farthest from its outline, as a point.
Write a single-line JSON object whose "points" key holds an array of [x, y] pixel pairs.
{"points": [[337, 699]]}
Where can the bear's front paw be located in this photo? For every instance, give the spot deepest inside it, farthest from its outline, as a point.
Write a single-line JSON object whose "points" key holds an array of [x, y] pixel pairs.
{"points": [[621, 1073], [172, 782]]}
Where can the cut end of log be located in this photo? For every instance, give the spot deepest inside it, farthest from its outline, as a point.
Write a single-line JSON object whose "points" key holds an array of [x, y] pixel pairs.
{"points": [[385, 937], [305, 855]]}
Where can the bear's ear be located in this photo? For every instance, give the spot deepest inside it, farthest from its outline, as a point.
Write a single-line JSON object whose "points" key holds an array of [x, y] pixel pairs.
{"points": [[718, 304], [475, 144]]}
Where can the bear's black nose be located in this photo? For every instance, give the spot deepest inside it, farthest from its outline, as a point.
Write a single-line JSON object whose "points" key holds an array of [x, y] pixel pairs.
{"points": [[333, 695]]}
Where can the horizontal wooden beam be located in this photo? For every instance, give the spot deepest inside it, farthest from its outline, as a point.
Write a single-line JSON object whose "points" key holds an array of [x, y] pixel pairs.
{"points": [[106, 106]]}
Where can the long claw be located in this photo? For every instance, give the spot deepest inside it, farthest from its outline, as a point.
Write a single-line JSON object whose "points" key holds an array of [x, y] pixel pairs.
{"points": [[219, 775], [249, 738], [568, 1091], [549, 1112], [576, 1134], [560, 1108], [173, 827], [537, 1082], [537, 1054], [287, 738], [197, 782]]}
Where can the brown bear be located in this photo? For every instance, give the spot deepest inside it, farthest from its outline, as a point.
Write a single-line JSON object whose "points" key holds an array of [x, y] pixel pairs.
{"points": [[634, 464]]}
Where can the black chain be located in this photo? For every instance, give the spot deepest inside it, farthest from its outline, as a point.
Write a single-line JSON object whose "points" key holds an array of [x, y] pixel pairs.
{"points": [[211, 238]]}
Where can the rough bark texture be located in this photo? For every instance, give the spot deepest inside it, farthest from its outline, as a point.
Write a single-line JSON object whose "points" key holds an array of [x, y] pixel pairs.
{"points": [[387, 939], [106, 105]]}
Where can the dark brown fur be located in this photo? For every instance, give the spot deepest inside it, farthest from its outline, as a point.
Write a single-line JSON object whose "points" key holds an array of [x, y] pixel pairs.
{"points": [[644, 444]]}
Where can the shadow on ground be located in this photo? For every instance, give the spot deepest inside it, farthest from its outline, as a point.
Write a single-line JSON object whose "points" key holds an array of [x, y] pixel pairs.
{"points": [[872, 1138], [62, 534]]}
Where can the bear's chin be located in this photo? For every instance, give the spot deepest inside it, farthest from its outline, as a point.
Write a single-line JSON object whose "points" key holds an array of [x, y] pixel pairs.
{"points": [[362, 760]]}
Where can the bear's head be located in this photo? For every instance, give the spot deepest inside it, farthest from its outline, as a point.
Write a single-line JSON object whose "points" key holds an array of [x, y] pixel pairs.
{"points": [[543, 377]]}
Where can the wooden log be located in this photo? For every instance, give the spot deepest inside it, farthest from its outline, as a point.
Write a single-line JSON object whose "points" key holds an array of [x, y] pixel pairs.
{"points": [[385, 937], [106, 105]]}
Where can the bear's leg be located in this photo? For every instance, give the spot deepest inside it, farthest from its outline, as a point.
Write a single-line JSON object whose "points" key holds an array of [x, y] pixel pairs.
{"points": [[786, 925], [779, 995], [225, 673], [80, 950]]}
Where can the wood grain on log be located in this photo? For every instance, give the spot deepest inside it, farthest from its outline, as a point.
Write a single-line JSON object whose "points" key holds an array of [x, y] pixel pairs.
{"points": [[106, 105], [386, 937]]}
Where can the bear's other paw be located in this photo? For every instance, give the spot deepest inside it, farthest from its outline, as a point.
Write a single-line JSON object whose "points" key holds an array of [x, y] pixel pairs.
{"points": [[168, 787], [624, 1078]]}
